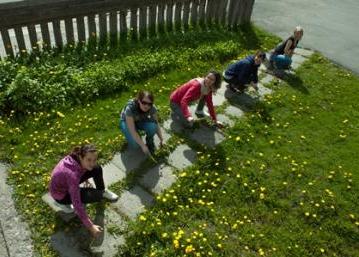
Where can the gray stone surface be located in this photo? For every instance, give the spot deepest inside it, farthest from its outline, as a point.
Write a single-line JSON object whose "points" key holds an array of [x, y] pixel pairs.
{"points": [[225, 120], [218, 99], [173, 126], [330, 26], [78, 243], [234, 111], [208, 136], [165, 136], [132, 202], [129, 160], [297, 60], [303, 52], [54, 206], [262, 90], [15, 235], [182, 157], [112, 174], [267, 79], [158, 179], [3, 246]]}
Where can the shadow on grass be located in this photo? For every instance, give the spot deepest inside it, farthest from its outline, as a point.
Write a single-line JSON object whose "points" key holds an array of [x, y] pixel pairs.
{"points": [[296, 83]]}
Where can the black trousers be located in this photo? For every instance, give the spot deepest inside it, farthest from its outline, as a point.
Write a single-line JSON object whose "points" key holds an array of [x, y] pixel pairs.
{"points": [[235, 82], [89, 195]]}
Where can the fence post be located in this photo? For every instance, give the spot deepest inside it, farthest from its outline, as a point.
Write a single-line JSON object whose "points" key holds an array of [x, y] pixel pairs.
{"points": [[186, 10], [123, 25], [178, 20], [33, 37], [152, 20], [113, 28], [169, 16], [7, 42], [202, 12], [20, 40], [248, 11], [143, 22], [81, 30], [133, 24], [45, 35], [194, 13]]}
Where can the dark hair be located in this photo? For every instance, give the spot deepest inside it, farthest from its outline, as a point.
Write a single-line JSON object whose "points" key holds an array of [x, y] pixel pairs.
{"points": [[217, 75], [260, 54], [81, 151], [143, 94]]}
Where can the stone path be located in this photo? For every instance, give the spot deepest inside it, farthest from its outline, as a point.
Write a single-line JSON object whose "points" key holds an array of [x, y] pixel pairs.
{"points": [[14, 233], [77, 243]]}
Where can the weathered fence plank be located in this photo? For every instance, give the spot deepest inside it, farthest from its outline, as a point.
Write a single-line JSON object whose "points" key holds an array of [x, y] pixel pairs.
{"points": [[143, 22], [80, 23], [222, 11], [113, 28], [46, 43], [194, 13], [92, 28], [133, 23], [178, 12], [169, 16], [7, 42], [123, 24], [103, 28], [20, 40], [236, 13], [33, 36], [202, 12], [161, 18], [152, 20], [248, 9]]}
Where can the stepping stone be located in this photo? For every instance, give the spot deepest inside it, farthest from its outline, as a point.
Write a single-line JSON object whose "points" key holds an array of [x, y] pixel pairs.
{"points": [[262, 90], [218, 99], [182, 157], [304, 52], [222, 89], [297, 60], [165, 136], [112, 174], [267, 79], [133, 202], [234, 111], [173, 126], [3, 250], [78, 243], [225, 120], [158, 179], [47, 198], [17, 241], [129, 160], [207, 136]]}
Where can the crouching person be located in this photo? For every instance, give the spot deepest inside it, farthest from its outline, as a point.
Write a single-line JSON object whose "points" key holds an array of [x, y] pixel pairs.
{"points": [[196, 89], [69, 173], [140, 114], [241, 74]]}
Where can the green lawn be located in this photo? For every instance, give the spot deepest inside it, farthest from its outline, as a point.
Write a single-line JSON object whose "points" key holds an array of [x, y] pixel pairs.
{"points": [[283, 183]]}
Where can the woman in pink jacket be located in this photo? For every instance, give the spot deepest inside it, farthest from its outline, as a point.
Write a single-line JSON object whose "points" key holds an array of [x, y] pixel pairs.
{"points": [[72, 170], [196, 89]]}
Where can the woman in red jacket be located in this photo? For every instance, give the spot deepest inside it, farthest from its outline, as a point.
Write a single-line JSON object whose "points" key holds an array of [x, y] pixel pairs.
{"points": [[195, 89]]}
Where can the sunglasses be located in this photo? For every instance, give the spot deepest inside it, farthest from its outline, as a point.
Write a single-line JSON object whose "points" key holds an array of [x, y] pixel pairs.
{"points": [[146, 103]]}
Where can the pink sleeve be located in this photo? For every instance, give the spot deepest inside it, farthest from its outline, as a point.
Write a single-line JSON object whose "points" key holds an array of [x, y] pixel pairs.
{"points": [[188, 97], [210, 106], [74, 191]]}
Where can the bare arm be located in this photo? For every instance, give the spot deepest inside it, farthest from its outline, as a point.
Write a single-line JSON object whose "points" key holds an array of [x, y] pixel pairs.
{"points": [[287, 50]]}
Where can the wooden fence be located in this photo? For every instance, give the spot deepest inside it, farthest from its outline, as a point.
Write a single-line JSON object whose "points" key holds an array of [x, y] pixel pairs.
{"points": [[41, 24]]}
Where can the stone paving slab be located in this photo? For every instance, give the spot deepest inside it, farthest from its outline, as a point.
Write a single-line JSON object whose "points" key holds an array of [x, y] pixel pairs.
{"points": [[234, 111], [297, 60], [165, 136], [78, 242], [3, 250], [262, 90], [207, 136], [112, 174], [218, 99], [47, 198], [304, 52], [129, 160], [173, 126], [15, 231], [132, 202], [267, 79], [182, 157], [225, 120], [158, 179]]}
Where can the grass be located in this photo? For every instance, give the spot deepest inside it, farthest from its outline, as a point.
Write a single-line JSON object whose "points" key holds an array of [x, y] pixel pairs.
{"points": [[283, 183]]}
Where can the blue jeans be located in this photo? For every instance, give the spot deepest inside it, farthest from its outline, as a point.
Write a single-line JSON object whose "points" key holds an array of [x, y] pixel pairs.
{"points": [[281, 61], [150, 129]]}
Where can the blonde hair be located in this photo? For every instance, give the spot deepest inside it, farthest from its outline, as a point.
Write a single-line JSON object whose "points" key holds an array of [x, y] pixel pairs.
{"points": [[298, 29]]}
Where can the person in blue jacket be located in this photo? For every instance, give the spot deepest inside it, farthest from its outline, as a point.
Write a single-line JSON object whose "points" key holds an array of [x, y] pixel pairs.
{"points": [[244, 72]]}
